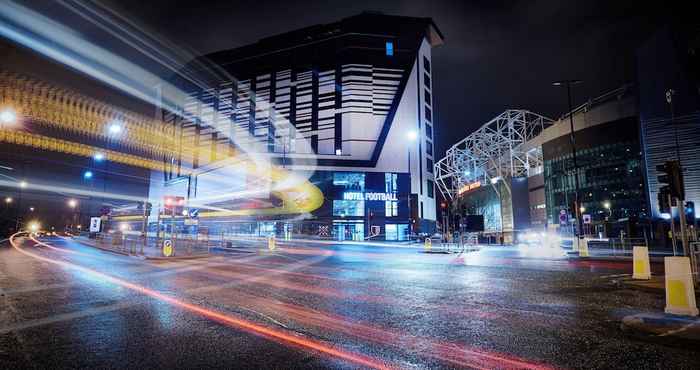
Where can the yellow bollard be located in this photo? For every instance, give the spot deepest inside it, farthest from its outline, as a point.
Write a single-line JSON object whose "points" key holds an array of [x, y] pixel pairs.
{"points": [[428, 244], [680, 293], [583, 247], [271, 243], [641, 269]]}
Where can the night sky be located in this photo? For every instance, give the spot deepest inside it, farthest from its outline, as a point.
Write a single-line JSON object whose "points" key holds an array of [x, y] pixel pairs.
{"points": [[497, 55]]}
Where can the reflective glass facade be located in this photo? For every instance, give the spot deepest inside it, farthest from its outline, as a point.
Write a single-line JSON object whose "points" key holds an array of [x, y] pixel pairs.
{"points": [[610, 172]]}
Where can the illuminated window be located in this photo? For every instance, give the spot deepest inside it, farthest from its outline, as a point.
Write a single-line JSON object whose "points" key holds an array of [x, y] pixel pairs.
{"points": [[345, 208], [354, 181], [426, 64], [390, 183], [389, 48], [391, 208]]}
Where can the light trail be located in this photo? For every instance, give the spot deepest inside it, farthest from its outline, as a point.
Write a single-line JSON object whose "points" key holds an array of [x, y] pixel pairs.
{"points": [[250, 327]]}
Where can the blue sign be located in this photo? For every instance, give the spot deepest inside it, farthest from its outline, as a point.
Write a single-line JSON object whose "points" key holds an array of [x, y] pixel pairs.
{"points": [[194, 212]]}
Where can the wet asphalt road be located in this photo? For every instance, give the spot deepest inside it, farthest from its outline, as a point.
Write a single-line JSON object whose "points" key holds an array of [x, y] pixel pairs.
{"points": [[65, 305]]}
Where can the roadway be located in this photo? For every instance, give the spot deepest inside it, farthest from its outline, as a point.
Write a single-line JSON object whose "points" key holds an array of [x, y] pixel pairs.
{"points": [[63, 304]]}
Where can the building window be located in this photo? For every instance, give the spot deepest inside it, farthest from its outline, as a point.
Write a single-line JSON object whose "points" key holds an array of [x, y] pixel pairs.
{"points": [[391, 208], [426, 64], [428, 114], [345, 208], [389, 48], [421, 209], [390, 182], [429, 131], [427, 97], [426, 80], [429, 147], [429, 165], [431, 191], [354, 181]]}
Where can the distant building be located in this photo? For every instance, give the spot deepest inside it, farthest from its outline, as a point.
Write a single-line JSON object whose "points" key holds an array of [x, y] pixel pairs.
{"points": [[670, 60], [336, 101]]}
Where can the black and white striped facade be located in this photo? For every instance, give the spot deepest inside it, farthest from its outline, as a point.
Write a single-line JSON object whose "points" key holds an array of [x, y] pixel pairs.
{"points": [[334, 97]]}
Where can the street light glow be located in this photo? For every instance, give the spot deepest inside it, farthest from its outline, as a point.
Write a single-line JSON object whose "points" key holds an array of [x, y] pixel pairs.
{"points": [[583, 209], [98, 157], [34, 226], [72, 203], [8, 200], [606, 205], [412, 135], [31, 209], [87, 174], [22, 184], [8, 116], [115, 128]]}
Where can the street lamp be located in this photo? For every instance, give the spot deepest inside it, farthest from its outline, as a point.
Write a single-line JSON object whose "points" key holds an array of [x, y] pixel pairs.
{"points": [[115, 128], [572, 140], [34, 226], [8, 200], [7, 117], [606, 205], [411, 136]]}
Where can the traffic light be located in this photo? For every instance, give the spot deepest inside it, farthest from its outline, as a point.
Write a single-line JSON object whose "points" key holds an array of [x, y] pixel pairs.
{"points": [[690, 211], [672, 177]]}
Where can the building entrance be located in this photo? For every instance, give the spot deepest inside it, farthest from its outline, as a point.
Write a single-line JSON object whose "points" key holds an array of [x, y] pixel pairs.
{"points": [[349, 231]]}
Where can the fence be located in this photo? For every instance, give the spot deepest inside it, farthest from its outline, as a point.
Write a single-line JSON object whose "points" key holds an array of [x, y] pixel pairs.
{"points": [[153, 246]]}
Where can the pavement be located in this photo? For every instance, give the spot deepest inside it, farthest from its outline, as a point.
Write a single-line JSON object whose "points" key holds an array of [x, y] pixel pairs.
{"points": [[64, 304]]}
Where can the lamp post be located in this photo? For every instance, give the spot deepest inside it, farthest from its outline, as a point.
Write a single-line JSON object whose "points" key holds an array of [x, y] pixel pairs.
{"points": [[572, 140], [411, 136]]}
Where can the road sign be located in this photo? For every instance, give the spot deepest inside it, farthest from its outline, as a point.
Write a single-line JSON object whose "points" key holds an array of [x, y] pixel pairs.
{"points": [[563, 218], [95, 223], [167, 248], [194, 212], [586, 218]]}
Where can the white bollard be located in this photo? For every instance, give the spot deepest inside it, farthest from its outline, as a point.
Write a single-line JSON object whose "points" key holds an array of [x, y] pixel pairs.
{"points": [[680, 293], [641, 269]]}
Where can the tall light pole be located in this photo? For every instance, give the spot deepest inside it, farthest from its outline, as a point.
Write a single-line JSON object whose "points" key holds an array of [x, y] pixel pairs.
{"points": [[572, 140], [411, 136]]}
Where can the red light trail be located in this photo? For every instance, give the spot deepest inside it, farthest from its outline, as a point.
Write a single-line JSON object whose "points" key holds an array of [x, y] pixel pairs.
{"points": [[220, 317]]}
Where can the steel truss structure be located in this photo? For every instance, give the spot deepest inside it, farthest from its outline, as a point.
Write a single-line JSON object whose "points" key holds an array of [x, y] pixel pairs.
{"points": [[493, 152]]}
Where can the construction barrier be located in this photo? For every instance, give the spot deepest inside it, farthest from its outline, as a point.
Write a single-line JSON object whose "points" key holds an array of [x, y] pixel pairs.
{"points": [[271, 245], [582, 247], [680, 292], [641, 269]]}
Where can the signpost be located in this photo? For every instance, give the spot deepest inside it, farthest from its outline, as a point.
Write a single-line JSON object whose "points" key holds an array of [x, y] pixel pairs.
{"points": [[95, 224], [167, 247]]}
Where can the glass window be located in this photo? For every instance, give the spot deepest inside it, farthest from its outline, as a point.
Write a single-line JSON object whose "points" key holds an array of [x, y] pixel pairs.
{"points": [[389, 48], [429, 147], [429, 131], [390, 183], [391, 232], [428, 114], [431, 190], [429, 165], [391, 208], [403, 231], [426, 64], [348, 208], [427, 97], [426, 80], [354, 181]]}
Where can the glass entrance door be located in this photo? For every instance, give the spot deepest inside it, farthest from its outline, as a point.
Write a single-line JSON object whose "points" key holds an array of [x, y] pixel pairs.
{"points": [[348, 231]]}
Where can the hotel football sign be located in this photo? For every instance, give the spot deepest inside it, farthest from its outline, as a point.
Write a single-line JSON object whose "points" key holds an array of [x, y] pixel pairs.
{"points": [[369, 196]]}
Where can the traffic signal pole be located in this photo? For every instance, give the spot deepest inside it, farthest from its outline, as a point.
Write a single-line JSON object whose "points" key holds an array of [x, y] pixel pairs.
{"points": [[673, 227]]}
